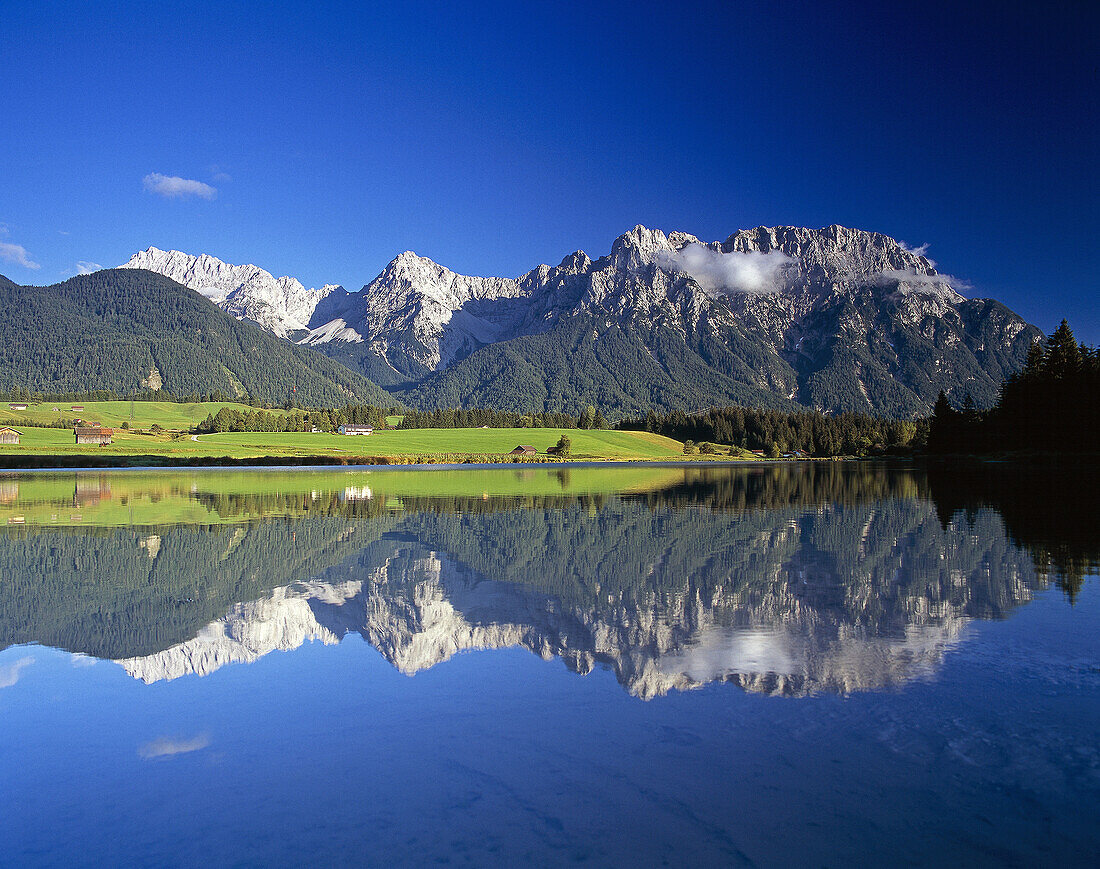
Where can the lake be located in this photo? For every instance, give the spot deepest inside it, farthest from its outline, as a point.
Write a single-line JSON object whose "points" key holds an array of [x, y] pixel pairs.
{"points": [[805, 663]]}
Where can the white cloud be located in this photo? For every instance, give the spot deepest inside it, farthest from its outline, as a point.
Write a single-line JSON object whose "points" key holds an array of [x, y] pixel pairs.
{"points": [[174, 187], [919, 250], [83, 267], [81, 660], [722, 273], [17, 254], [165, 747], [921, 282], [9, 673]]}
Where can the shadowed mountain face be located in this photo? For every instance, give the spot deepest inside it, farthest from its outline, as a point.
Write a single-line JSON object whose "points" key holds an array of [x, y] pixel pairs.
{"points": [[790, 581]]}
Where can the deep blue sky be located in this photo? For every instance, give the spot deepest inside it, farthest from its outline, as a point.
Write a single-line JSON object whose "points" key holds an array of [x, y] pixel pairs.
{"points": [[492, 137]]}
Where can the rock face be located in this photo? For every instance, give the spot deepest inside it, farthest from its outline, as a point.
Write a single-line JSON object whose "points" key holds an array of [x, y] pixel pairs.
{"points": [[281, 305], [833, 318]]}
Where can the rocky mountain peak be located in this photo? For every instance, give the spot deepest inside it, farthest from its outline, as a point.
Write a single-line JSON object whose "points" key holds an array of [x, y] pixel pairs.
{"points": [[840, 254], [248, 292], [576, 262], [638, 248]]}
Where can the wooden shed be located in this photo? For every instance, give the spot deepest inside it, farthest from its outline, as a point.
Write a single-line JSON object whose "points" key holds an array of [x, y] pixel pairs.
{"points": [[18, 406], [93, 435], [352, 429], [9, 436], [524, 450]]}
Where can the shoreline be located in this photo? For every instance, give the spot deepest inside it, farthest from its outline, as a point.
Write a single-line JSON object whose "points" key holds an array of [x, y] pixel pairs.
{"points": [[276, 463]]}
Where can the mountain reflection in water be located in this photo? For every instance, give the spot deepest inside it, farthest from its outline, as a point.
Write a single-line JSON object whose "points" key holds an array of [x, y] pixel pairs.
{"points": [[791, 580]]}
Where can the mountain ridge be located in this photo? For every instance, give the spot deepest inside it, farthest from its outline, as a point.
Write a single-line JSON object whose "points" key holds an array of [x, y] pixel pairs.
{"points": [[835, 319]]}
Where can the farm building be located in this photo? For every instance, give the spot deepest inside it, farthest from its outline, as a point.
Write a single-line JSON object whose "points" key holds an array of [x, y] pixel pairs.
{"points": [[78, 407], [93, 435], [356, 430], [9, 436], [17, 406], [524, 450]]}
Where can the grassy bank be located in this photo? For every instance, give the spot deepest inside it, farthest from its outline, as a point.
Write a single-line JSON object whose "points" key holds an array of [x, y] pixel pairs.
{"points": [[49, 447]]}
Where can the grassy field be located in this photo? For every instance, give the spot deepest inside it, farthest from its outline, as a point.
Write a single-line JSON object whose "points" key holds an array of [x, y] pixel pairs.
{"points": [[428, 441], [587, 445], [171, 415]]}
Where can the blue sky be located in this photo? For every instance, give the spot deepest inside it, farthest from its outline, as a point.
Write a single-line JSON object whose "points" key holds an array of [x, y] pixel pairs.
{"points": [[492, 137]]}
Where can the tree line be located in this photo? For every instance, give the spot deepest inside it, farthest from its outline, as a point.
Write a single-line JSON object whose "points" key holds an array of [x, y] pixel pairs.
{"points": [[230, 419], [1049, 406], [477, 417], [776, 432]]}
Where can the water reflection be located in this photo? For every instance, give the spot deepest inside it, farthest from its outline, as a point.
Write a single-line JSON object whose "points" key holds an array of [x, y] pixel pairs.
{"points": [[790, 580]]}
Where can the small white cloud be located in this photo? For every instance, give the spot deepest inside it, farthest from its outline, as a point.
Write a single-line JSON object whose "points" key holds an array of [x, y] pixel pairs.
{"points": [[922, 283], [165, 747], [17, 254], [79, 660], [9, 673], [220, 175], [723, 273], [919, 250], [83, 267], [63, 232], [174, 187]]}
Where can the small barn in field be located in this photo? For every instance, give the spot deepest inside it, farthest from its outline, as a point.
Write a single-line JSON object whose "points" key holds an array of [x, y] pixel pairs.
{"points": [[524, 450], [9, 436], [17, 406], [78, 407], [356, 430], [93, 435]]}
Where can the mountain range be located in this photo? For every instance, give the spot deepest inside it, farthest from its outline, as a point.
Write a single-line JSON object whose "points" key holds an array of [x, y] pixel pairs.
{"points": [[835, 319]]}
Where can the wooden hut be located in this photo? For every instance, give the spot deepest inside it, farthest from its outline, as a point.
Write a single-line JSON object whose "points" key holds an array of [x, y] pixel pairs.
{"points": [[356, 430], [9, 436], [93, 435], [524, 450]]}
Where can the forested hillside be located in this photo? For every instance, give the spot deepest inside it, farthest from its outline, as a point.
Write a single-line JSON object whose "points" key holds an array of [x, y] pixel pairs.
{"points": [[618, 369], [128, 331]]}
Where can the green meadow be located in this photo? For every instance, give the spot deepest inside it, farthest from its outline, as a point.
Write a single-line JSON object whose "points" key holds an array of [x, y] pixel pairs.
{"points": [[174, 415], [482, 445]]}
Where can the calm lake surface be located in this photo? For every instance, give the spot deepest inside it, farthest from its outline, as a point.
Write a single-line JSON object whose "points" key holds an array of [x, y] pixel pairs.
{"points": [[811, 664]]}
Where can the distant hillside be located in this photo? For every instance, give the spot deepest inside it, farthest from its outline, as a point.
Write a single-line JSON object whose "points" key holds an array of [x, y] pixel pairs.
{"points": [[129, 330]]}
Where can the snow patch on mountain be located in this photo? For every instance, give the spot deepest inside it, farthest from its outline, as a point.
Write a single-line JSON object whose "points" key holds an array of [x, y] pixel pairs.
{"points": [[334, 330]]}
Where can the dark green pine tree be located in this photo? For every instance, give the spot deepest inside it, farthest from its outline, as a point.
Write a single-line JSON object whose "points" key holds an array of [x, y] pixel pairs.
{"points": [[1063, 356]]}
